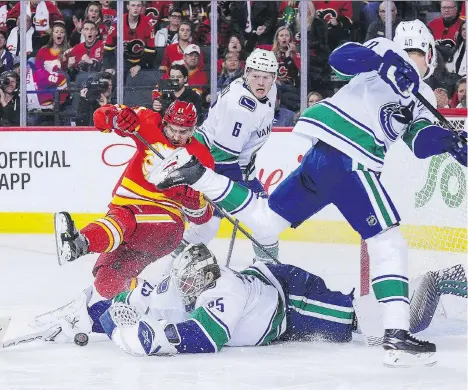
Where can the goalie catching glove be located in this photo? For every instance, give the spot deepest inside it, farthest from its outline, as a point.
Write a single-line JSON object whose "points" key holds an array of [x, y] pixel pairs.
{"points": [[120, 119]]}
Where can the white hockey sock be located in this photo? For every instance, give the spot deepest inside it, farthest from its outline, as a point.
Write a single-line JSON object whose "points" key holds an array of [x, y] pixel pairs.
{"points": [[246, 206], [388, 254]]}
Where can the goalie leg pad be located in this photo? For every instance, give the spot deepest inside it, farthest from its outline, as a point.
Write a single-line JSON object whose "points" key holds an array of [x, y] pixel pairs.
{"points": [[424, 302]]}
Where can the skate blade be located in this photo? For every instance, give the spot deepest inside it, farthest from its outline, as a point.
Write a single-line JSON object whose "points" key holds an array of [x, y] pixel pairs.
{"points": [[403, 359], [63, 249]]}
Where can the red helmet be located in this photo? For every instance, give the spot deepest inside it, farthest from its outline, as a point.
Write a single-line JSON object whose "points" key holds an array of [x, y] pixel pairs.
{"points": [[181, 114]]}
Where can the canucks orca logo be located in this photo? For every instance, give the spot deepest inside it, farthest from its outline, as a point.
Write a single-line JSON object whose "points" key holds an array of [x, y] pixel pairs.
{"points": [[393, 118]]}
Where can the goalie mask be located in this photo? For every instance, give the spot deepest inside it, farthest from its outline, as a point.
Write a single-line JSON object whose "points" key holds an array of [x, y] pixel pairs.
{"points": [[193, 270], [414, 35]]}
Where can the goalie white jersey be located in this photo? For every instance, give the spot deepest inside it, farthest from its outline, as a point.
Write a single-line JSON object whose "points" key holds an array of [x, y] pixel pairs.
{"points": [[238, 125], [236, 301], [365, 117]]}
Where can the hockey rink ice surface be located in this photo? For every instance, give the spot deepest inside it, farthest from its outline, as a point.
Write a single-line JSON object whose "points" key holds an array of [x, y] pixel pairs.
{"points": [[32, 283]]}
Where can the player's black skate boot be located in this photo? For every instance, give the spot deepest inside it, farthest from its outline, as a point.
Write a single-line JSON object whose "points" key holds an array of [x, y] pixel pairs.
{"points": [[71, 244], [404, 350], [178, 169]]}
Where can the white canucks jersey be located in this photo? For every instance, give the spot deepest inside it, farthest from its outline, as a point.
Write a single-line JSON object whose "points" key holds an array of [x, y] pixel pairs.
{"points": [[237, 310], [238, 125], [365, 117]]}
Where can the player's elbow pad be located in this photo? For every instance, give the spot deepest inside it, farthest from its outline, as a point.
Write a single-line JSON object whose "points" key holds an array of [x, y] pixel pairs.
{"points": [[231, 171], [353, 58]]}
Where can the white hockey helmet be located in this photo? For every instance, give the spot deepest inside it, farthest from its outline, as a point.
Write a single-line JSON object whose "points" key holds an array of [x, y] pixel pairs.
{"points": [[414, 35], [193, 270], [263, 60]]}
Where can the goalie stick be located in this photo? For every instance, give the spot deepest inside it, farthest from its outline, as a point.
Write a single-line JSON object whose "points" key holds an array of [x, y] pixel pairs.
{"points": [[28, 338], [214, 205]]}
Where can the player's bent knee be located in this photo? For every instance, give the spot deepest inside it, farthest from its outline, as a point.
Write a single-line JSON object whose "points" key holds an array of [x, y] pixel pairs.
{"points": [[108, 282]]}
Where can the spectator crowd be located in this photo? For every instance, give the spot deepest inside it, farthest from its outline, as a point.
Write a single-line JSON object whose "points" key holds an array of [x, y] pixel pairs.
{"points": [[71, 49]]}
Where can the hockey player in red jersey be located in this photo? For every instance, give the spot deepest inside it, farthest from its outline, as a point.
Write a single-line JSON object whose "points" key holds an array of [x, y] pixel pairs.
{"points": [[143, 224]]}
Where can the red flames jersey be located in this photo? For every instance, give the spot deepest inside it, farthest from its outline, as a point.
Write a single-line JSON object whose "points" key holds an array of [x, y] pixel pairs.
{"points": [[134, 189], [137, 41], [332, 9], [54, 15], [50, 76], [95, 51], [444, 36], [49, 59]]}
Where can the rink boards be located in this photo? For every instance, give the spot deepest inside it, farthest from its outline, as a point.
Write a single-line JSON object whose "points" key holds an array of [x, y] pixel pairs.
{"points": [[42, 172]]}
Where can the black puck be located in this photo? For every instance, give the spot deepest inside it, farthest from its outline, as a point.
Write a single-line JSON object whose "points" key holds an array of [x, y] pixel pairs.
{"points": [[81, 339]]}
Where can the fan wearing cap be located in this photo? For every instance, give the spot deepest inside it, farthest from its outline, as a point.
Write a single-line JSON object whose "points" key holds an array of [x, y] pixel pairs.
{"points": [[174, 53], [197, 78], [239, 123], [143, 224]]}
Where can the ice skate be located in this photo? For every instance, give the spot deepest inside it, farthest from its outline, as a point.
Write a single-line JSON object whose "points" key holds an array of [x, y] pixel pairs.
{"points": [[70, 243], [73, 318], [404, 350], [180, 168]]}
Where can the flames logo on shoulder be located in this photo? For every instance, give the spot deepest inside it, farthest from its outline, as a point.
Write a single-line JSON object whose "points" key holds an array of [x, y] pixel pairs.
{"points": [[393, 118]]}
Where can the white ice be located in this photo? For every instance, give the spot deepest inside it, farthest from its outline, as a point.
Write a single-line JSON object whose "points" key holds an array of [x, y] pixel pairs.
{"points": [[32, 282]]}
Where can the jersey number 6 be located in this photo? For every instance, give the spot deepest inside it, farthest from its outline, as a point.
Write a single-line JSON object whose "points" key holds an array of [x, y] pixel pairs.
{"points": [[237, 129]]}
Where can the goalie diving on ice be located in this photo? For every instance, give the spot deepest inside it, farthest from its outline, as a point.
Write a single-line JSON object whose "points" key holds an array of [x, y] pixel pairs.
{"points": [[202, 307]]}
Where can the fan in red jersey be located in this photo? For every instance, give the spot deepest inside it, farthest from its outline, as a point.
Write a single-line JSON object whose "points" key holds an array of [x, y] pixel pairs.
{"points": [[143, 224], [138, 40], [86, 56], [51, 66]]}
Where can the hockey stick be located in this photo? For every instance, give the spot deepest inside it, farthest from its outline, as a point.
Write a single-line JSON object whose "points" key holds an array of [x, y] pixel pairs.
{"points": [[231, 243], [43, 335], [214, 205], [4, 324], [437, 114]]}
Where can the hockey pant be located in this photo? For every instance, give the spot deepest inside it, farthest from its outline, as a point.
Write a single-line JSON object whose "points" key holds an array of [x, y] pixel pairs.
{"points": [[314, 312], [130, 238]]}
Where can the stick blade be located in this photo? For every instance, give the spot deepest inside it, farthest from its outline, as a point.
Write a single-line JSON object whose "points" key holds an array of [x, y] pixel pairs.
{"points": [[4, 324]]}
